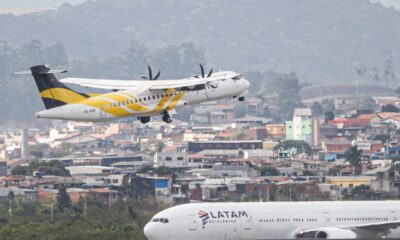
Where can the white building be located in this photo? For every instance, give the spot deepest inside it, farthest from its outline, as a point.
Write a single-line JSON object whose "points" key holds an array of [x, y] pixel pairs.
{"points": [[171, 159]]}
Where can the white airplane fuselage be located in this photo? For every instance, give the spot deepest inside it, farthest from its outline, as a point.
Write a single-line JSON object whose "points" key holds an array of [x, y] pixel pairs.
{"points": [[131, 103], [274, 220]]}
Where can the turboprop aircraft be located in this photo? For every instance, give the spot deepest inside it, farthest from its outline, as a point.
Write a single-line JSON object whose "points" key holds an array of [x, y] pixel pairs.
{"points": [[142, 98]]}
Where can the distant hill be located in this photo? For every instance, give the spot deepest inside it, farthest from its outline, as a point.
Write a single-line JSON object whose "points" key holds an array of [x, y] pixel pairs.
{"points": [[322, 41]]}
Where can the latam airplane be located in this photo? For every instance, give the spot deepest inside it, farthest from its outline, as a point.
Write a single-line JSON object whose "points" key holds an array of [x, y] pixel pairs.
{"points": [[276, 220], [139, 98]]}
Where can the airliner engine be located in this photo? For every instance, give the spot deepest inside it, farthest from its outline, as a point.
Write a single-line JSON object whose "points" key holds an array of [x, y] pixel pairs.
{"points": [[328, 233]]}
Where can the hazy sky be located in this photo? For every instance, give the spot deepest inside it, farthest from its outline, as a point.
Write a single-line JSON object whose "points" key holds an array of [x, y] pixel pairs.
{"points": [[394, 3], [35, 3], [56, 3]]}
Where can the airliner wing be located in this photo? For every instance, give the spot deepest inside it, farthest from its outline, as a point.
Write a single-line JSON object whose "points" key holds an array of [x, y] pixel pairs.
{"points": [[129, 84], [104, 83], [347, 231], [380, 226], [173, 84]]}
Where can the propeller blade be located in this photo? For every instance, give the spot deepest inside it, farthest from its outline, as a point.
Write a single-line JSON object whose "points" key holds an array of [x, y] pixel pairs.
{"points": [[150, 73], [209, 74], [158, 74], [202, 70]]}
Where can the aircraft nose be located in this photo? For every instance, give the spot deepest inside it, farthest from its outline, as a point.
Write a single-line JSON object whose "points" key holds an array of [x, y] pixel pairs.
{"points": [[147, 231], [246, 83]]}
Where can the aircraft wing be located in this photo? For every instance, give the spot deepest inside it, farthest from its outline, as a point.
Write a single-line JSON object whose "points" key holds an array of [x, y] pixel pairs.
{"points": [[348, 231], [173, 84], [379, 226], [104, 83], [129, 84]]}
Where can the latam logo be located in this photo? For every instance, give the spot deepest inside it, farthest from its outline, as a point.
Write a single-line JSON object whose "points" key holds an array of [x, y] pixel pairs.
{"points": [[205, 216]]}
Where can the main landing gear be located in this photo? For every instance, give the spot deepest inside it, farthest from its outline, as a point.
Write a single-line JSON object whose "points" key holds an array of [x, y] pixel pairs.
{"points": [[241, 98], [144, 120], [167, 118]]}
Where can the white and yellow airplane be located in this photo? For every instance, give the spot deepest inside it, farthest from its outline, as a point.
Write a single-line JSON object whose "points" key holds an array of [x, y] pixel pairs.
{"points": [[138, 98]]}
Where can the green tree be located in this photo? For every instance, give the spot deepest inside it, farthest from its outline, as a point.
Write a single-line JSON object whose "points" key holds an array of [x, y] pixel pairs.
{"points": [[390, 108], [268, 171], [63, 199], [317, 109], [329, 116], [353, 157], [19, 170], [300, 146], [368, 104]]}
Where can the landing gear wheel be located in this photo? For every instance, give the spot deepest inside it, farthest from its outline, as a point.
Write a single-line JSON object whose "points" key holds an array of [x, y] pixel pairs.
{"points": [[167, 118], [144, 120], [242, 98]]}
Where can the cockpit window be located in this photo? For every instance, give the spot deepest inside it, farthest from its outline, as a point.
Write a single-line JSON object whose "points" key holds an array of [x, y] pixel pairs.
{"points": [[236, 78], [162, 220]]}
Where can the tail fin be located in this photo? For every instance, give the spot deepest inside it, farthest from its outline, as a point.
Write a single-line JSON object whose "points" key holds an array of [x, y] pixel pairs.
{"points": [[54, 93]]}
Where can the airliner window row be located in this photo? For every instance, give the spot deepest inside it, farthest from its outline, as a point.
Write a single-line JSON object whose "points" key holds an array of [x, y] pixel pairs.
{"points": [[223, 221], [143, 99], [287, 220], [371, 219]]}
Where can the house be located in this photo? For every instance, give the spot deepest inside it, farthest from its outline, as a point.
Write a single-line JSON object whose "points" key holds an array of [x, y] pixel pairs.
{"points": [[171, 159], [349, 181], [276, 131], [249, 121]]}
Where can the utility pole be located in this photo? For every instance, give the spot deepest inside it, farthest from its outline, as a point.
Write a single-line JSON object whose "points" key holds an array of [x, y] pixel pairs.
{"points": [[10, 212], [52, 212], [85, 208]]}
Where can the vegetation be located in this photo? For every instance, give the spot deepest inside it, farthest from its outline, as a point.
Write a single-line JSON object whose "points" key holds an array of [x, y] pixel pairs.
{"points": [[329, 116], [300, 146], [56, 168], [353, 157], [158, 170], [122, 220], [268, 171]]}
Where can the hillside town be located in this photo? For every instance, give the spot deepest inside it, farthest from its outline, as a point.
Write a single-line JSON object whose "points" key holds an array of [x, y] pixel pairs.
{"points": [[216, 156]]}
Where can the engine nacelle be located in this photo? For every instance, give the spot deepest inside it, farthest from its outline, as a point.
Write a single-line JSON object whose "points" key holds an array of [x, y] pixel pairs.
{"points": [[328, 233]]}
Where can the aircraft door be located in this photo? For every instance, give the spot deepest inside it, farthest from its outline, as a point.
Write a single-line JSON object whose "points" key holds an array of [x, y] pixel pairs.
{"points": [[246, 226], [192, 222], [394, 216], [212, 90], [326, 218]]}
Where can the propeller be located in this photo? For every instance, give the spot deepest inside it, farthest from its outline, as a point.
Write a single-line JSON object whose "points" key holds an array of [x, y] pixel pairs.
{"points": [[203, 73], [151, 74]]}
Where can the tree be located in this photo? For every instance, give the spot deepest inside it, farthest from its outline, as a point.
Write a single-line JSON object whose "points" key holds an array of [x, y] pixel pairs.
{"points": [[381, 137], [300, 146], [19, 170], [317, 109], [353, 157], [329, 116], [390, 108], [369, 104], [63, 199], [268, 171]]}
